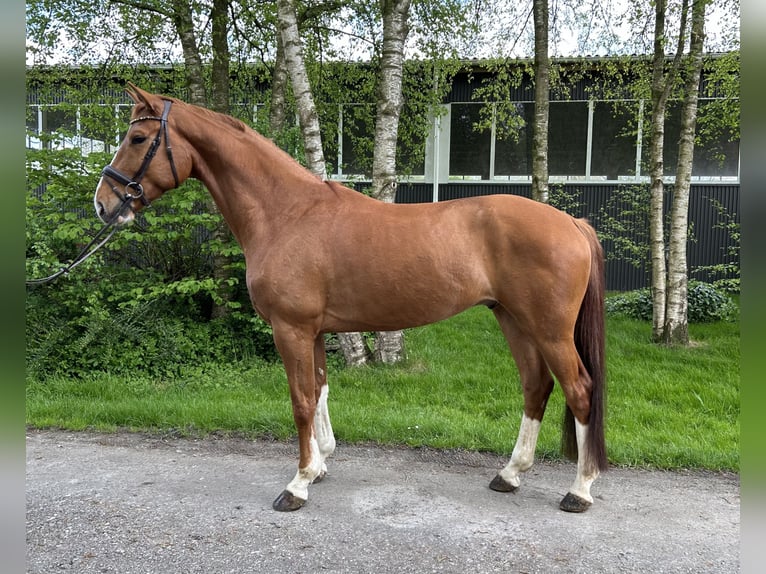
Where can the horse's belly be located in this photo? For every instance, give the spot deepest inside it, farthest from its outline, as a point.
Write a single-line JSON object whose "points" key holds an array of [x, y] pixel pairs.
{"points": [[403, 301]]}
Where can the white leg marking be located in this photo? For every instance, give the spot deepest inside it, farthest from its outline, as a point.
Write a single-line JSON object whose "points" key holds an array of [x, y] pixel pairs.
{"points": [[523, 455], [584, 479], [322, 446], [323, 428], [299, 486]]}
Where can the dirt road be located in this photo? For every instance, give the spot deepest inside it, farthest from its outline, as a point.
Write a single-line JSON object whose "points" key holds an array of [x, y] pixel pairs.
{"points": [[129, 503]]}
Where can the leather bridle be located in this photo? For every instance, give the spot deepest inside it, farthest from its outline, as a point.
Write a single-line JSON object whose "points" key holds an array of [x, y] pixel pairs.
{"points": [[133, 190], [132, 186]]}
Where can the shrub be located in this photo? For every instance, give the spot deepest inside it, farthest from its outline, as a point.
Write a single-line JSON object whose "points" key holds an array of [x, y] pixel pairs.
{"points": [[145, 300], [148, 338], [636, 304], [705, 304], [708, 304]]}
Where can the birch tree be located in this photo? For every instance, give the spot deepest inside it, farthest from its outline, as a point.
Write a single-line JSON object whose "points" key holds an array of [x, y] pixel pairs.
{"points": [[299, 79], [219, 17], [661, 86], [181, 13], [352, 345], [279, 79], [676, 326], [389, 345], [542, 68]]}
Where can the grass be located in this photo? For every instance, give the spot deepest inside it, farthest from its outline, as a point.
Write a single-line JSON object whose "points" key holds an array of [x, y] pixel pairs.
{"points": [[667, 407]]}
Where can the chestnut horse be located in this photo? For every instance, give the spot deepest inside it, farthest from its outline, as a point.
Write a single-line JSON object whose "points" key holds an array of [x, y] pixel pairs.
{"points": [[324, 258]]}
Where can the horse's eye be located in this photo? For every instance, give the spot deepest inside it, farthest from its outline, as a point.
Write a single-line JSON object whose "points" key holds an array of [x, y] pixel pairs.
{"points": [[138, 139]]}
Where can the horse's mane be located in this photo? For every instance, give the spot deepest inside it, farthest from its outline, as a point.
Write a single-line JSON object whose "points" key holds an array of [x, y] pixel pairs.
{"points": [[233, 122], [241, 126]]}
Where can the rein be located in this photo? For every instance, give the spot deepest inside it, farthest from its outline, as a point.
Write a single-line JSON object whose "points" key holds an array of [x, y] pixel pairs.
{"points": [[87, 251], [127, 198]]}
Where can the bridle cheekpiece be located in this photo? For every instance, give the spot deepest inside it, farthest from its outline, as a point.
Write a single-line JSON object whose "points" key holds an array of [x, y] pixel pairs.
{"points": [[133, 188]]}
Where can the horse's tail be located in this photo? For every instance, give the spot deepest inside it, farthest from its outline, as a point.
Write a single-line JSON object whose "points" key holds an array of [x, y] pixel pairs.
{"points": [[590, 342]]}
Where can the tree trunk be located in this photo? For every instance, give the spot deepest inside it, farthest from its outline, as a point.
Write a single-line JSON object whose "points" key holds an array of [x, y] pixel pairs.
{"points": [[656, 173], [389, 104], [542, 94], [354, 349], [195, 83], [676, 327], [220, 103], [278, 93], [304, 100], [662, 83], [352, 345], [389, 345], [195, 79], [221, 56]]}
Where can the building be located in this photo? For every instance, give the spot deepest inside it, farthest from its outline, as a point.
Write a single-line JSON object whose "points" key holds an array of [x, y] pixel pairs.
{"points": [[478, 143]]}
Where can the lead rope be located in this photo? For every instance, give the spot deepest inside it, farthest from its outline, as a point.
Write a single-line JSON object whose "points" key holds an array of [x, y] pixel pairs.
{"points": [[87, 251]]}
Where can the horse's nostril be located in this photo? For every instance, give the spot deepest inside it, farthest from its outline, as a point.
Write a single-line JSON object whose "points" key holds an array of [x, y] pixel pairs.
{"points": [[101, 211]]}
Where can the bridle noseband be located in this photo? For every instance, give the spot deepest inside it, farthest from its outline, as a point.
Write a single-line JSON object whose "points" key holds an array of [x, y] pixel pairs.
{"points": [[134, 183]]}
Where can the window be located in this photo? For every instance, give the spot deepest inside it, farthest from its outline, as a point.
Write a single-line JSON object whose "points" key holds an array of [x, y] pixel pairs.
{"points": [[715, 156], [350, 153], [93, 128], [716, 151], [470, 149], [567, 138], [59, 119], [33, 127], [587, 141], [357, 140], [97, 129], [614, 140], [513, 153]]}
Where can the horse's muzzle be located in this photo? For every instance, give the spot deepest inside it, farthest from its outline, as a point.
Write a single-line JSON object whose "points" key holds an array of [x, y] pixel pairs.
{"points": [[120, 215]]}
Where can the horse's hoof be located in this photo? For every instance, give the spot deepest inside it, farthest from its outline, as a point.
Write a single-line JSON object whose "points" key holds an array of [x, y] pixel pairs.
{"points": [[499, 484], [287, 501], [573, 503]]}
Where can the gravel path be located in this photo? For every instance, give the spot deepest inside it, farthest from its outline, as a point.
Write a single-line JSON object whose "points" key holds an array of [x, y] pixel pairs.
{"points": [[132, 503]]}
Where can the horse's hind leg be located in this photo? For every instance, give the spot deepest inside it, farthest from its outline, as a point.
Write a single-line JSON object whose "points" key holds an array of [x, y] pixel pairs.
{"points": [[537, 384], [322, 426], [576, 383]]}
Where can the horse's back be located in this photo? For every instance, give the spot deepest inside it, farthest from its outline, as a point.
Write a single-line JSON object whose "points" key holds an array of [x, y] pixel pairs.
{"points": [[384, 266]]}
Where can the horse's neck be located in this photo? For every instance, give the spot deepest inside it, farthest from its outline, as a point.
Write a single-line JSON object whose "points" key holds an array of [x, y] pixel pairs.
{"points": [[255, 185]]}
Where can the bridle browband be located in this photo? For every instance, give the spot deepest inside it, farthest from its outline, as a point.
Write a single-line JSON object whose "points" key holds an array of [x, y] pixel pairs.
{"points": [[134, 183]]}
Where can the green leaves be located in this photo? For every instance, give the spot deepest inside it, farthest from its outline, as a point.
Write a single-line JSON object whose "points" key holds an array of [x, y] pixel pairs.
{"points": [[139, 301], [706, 304]]}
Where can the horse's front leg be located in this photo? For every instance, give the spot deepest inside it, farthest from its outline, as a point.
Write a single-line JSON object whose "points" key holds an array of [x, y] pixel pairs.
{"points": [[296, 348]]}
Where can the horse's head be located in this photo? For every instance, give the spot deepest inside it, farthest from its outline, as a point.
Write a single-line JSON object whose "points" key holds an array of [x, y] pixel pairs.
{"points": [[136, 177]]}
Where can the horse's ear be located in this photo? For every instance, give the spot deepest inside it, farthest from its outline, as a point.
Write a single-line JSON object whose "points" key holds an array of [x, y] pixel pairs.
{"points": [[134, 92], [138, 95]]}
